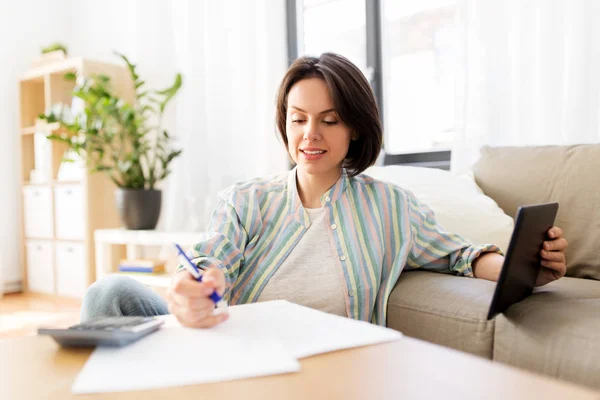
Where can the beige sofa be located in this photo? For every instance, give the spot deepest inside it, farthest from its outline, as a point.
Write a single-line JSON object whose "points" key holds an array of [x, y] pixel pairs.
{"points": [[556, 331]]}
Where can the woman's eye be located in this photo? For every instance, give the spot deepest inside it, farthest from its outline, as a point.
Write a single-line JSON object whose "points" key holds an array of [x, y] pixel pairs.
{"points": [[300, 121]]}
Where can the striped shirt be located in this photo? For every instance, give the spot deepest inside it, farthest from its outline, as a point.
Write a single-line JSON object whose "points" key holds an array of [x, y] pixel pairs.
{"points": [[376, 229]]}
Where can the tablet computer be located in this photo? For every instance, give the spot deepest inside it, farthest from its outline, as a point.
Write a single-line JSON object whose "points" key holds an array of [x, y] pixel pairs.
{"points": [[522, 261], [104, 331]]}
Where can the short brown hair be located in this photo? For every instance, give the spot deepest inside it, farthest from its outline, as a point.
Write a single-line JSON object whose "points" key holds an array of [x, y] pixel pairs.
{"points": [[353, 99]]}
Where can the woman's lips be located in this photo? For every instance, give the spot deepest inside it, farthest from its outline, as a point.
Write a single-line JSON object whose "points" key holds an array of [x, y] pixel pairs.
{"points": [[313, 154]]}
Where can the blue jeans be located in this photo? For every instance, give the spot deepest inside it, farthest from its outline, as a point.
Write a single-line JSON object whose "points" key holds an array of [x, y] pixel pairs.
{"points": [[121, 295]]}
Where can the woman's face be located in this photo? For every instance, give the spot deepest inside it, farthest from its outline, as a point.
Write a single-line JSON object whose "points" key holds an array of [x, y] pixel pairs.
{"points": [[318, 140]]}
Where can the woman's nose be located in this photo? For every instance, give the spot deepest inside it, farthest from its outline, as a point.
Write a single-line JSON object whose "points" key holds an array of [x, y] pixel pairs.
{"points": [[311, 132]]}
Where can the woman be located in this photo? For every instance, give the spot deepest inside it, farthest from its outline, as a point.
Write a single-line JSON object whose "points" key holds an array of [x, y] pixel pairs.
{"points": [[322, 235]]}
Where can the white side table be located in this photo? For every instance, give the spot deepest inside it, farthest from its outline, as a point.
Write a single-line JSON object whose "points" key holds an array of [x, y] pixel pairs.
{"points": [[114, 244]]}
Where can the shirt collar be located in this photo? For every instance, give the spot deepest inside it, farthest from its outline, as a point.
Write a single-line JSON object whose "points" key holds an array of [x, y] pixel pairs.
{"points": [[329, 197], [336, 191]]}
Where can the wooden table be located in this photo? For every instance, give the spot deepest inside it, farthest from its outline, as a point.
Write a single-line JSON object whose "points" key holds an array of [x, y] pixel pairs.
{"points": [[36, 368]]}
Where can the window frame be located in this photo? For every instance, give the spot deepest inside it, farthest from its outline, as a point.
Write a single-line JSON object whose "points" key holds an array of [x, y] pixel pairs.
{"points": [[294, 27]]}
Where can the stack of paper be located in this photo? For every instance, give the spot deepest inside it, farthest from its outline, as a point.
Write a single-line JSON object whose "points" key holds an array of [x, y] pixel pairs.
{"points": [[258, 339]]}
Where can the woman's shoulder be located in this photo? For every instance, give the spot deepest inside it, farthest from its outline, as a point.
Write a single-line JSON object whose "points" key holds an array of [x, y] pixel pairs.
{"points": [[379, 186]]}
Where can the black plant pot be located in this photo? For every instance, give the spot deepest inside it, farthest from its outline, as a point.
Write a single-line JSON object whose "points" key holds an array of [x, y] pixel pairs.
{"points": [[138, 208]]}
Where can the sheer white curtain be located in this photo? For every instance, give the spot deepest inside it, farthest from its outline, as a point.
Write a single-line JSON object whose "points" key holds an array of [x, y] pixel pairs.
{"points": [[25, 26], [232, 55], [531, 75]]}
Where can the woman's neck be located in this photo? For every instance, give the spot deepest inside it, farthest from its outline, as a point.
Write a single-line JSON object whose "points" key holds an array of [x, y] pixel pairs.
{"points": [[311, 187]]}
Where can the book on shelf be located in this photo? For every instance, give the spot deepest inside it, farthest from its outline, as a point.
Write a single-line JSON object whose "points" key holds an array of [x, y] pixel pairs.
{"points": [[142, 265]]}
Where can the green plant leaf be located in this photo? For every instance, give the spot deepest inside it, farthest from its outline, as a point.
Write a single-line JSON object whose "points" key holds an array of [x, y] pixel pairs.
{"points": [[103, 78], [173, 88], [174, 154], [59, 138], [54, 47], [49, 118], [170, 92], [101, 168], [129, 64]]}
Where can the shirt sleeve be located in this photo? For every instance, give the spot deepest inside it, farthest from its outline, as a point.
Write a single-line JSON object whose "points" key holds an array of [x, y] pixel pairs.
{"points": [[225, 245], [434, 249]]}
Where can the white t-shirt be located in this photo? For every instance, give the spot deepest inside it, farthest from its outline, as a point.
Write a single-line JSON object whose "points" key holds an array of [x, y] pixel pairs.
{"points": [[310, 276]]}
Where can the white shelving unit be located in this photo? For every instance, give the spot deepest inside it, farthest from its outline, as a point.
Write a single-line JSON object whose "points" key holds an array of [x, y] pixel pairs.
{"points": [[59, 216]]}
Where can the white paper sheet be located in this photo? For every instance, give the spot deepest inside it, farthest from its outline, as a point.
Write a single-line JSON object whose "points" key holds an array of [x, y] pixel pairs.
{"points": [[258, 339], [178, 356], [305, 331]]}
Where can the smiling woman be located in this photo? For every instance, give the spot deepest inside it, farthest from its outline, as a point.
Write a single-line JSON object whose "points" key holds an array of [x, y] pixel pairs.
{"points": [[323, 235]]}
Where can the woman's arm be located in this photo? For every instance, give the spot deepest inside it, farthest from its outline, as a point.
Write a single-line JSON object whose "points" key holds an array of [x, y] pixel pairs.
{"points": [[554, 264], [435, 249], [488, 266], [225, 247]]}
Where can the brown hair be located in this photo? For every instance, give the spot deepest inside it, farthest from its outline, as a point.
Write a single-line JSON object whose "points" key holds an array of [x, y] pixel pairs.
{"points": [[353, 99]]}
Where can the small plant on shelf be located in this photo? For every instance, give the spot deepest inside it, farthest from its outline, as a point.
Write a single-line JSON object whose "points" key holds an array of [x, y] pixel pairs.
{"points": [[55, 47]]}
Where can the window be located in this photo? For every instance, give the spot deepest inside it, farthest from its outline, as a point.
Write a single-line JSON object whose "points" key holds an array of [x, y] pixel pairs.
{"points": [[323, 30], [408, 51], [418, 79]]}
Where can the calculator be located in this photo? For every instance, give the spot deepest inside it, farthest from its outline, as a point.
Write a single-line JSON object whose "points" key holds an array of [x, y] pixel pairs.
{"points": [[105, 331]]}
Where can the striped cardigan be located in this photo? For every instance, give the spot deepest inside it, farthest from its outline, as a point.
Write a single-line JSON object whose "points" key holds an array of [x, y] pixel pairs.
{"points": [[377, 229]]}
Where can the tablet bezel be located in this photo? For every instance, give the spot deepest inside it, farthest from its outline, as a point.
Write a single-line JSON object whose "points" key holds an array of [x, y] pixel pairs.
{"points": [[516, 284]]}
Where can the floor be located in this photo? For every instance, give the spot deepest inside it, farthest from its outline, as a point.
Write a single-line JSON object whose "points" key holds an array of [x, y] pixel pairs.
{"points": [[22, 313]]}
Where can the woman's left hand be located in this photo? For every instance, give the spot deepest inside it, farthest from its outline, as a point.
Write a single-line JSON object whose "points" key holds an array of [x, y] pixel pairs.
{"points": [[554, 263]]}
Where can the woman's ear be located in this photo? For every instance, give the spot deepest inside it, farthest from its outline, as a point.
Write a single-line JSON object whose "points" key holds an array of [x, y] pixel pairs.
{"points": [[354, 135]]}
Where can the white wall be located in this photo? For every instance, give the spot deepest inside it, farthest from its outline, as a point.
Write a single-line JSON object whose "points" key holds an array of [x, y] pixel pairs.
{"points": [[25, 27]]}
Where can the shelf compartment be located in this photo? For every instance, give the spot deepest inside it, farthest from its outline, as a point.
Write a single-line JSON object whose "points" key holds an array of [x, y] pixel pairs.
{"points": [[33, 101], [61, 90], [36, 152]]}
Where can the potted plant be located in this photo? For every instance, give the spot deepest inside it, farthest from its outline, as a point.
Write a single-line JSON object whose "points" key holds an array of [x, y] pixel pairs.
{"points": [[123, 140]]}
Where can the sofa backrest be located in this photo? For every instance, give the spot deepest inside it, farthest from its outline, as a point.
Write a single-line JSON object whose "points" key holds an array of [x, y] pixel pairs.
{"points": [[570, 175]]}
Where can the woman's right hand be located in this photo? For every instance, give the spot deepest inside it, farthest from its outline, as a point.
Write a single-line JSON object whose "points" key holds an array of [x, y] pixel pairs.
{"points": [[189, 299]]}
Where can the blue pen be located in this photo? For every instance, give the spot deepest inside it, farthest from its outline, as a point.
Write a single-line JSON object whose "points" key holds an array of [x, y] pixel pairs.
{"points": [[189, 265]]}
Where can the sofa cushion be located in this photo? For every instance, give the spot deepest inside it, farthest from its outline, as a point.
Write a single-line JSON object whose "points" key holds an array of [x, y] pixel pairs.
{"points": [[443, 309], [570, 175], [459, 205], [556, 331]]}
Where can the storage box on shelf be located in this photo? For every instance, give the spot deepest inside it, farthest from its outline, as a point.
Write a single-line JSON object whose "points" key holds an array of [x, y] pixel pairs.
{"points": [[60, 212]]}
